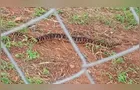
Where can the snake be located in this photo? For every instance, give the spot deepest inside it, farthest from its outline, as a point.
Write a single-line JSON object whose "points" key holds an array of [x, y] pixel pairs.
{"points": [[61, 36]]}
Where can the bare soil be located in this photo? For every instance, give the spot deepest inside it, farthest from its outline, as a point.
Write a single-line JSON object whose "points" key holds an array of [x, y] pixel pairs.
{"points": [[60, 58]]}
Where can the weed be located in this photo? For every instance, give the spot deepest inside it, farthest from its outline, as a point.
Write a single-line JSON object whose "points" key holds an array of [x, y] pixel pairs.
{"points": [[118, 60], [77, 19], [11, 24], [130, 82], [7, 41], [32, 54], [105, 20], [137, 9], [107, 53], [35, 80], [24, 30], [39, 11], [4, 78], [59, 11], [19, 55], [45, 71], [120, 18], [109, 75], [122, 77], [17, 44], [127, 19], [108, 22], [6, 65]]}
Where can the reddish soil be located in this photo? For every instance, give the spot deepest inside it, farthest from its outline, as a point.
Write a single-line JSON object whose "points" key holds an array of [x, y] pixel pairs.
{"points": [[60, 58]]}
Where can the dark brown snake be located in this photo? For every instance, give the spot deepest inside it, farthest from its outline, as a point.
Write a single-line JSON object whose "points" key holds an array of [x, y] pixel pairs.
{"points": [[80, 40]]}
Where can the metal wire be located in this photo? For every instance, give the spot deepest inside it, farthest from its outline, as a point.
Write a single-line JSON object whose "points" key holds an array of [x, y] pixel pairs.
{"points": [[113, 56], [84, 66], [31, 22], [135, 14], [14, 63]]}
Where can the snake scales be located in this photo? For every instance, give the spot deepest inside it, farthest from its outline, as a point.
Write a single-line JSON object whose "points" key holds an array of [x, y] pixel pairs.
{"points": [[58, 36]]}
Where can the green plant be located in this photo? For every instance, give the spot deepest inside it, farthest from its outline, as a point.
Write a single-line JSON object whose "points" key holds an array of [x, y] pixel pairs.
{"points": [[17, 44], [109, 75], [120, 18], [24, 30], [4, 78], [59, 11], [118, 60], [107, 22], [127, 19], [39, 11], [130, 82], [107, 53], [19, 55], [45, 71], [137, 9], [32, 54], [122, 77], [11, 24], [7, 41], [35, 80], [6, 65], [77, 19]]}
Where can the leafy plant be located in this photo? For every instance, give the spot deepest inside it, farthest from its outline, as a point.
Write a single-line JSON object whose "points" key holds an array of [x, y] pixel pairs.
{"points": [[35, 80], [32, 54], [6, 65], [45, 71], [4, 78], [109, 75], [39, 11], [118, 60], [77, 19], [7, 41], [120, 18], [17, 44], [122, 77], [19, 55], [11, 24], [127, 19]]}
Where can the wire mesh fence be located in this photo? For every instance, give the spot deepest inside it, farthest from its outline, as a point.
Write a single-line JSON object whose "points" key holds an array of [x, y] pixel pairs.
{"points": [[85, 65]]}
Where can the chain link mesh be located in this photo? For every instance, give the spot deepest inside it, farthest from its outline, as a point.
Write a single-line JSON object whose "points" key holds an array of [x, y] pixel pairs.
{"points": [[85, 65]]}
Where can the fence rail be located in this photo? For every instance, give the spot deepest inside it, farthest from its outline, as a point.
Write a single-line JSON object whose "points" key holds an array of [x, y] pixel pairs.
{"points": [[85, 65]]}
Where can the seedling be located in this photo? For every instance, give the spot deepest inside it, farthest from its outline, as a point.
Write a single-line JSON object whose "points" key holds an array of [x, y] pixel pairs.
{"points": [[4, 78], [32, 54], [39, 11], [6, 65], [19, 55], [122, 77], [7, 41], [77, 19], [35, 80], [45, 71]]}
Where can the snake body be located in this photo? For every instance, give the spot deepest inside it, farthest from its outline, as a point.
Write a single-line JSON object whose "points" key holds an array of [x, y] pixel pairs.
{"points": [[58, 36], [64, 37]]}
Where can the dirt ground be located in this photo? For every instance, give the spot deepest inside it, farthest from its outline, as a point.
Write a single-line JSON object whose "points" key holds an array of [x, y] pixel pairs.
{"points": [[59, 57]]}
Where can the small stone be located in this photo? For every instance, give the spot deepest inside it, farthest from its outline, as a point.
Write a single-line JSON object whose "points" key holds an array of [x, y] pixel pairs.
{"points": [[72, 66]]}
